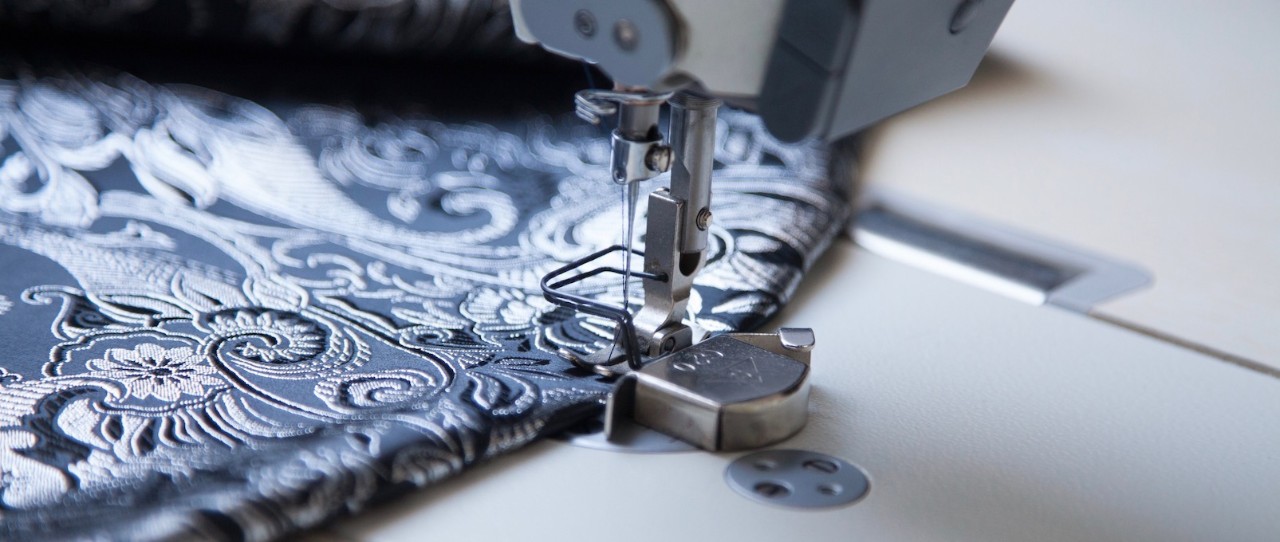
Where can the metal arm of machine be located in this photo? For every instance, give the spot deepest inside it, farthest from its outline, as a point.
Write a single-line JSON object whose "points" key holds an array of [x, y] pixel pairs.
{"points": [[818, 69]]}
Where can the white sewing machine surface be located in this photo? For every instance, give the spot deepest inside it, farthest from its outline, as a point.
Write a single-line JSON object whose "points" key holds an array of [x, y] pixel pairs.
{"points": [[1142, 131]]}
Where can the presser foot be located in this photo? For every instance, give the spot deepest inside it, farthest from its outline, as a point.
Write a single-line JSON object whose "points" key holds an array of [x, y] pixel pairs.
{"points": [[611, 361], [731, 392]]}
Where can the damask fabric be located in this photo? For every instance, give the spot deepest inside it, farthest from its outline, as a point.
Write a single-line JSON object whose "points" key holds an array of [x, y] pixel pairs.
{"points": [[223, 320], [475, 28]]}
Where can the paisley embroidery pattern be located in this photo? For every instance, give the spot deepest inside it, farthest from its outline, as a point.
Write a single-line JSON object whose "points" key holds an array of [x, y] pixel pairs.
{"points": [[473, 27], [223, 320]]}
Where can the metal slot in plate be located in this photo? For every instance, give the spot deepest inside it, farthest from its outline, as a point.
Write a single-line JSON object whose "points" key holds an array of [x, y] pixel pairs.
{"points": [[990, 256]]}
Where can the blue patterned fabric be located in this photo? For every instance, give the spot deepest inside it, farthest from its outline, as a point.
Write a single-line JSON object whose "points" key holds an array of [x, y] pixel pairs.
{"points": [[223, 320]]}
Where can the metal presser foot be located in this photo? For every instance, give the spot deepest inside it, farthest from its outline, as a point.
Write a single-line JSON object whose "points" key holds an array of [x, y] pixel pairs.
{"points": [[730, 392]]}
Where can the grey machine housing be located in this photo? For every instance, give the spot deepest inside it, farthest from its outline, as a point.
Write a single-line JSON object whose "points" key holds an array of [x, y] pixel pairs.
{"points": [[811, 68]]}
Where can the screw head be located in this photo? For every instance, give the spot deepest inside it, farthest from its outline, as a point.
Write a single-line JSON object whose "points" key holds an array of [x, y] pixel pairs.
{"points": [[625, 34], [703, 220], [669, 344], [658, 158], [585, 23]]}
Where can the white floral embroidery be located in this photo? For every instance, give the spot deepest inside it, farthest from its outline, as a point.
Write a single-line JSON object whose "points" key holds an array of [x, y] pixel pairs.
{"points": [[298, 338], [503, 310], [150, 370], [355, 283], [5, 305], [25, 482]]}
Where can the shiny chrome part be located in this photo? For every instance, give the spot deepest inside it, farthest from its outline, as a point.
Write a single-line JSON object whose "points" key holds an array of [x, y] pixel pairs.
{"points": [[693, 140], [675, 247], [638, 152], [731, 392], [797, 339], [1016, 264], [795, 343], [665, 301], [704, 218], [797, 479], [720, 394], [658, 158], [631, 159]]}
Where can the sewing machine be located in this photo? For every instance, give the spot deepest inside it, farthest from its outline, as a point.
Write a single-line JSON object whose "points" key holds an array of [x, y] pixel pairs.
{"points": [[819, 70], [987, 382]]}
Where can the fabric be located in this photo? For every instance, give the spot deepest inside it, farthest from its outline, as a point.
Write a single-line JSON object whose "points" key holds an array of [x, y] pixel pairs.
{"points": [[475, 28], [223, 320]]}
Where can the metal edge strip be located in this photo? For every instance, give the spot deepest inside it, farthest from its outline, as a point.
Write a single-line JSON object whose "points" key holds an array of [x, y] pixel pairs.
{"points": [[992, 256]]}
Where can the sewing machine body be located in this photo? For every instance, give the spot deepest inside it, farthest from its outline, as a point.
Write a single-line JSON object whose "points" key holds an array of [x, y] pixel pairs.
{"points": [[812, 69]]}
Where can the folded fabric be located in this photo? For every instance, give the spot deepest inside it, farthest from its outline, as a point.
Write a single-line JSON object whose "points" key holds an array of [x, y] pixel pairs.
{"points": [[229, 321]]}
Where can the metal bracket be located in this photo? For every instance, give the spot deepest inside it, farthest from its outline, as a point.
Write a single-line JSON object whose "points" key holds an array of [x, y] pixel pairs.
{"points": [[638, 150], [676, 234]]}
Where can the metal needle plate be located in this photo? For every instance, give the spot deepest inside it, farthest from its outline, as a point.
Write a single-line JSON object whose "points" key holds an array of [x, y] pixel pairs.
{"points": [[631, 438], [797, 479]]}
